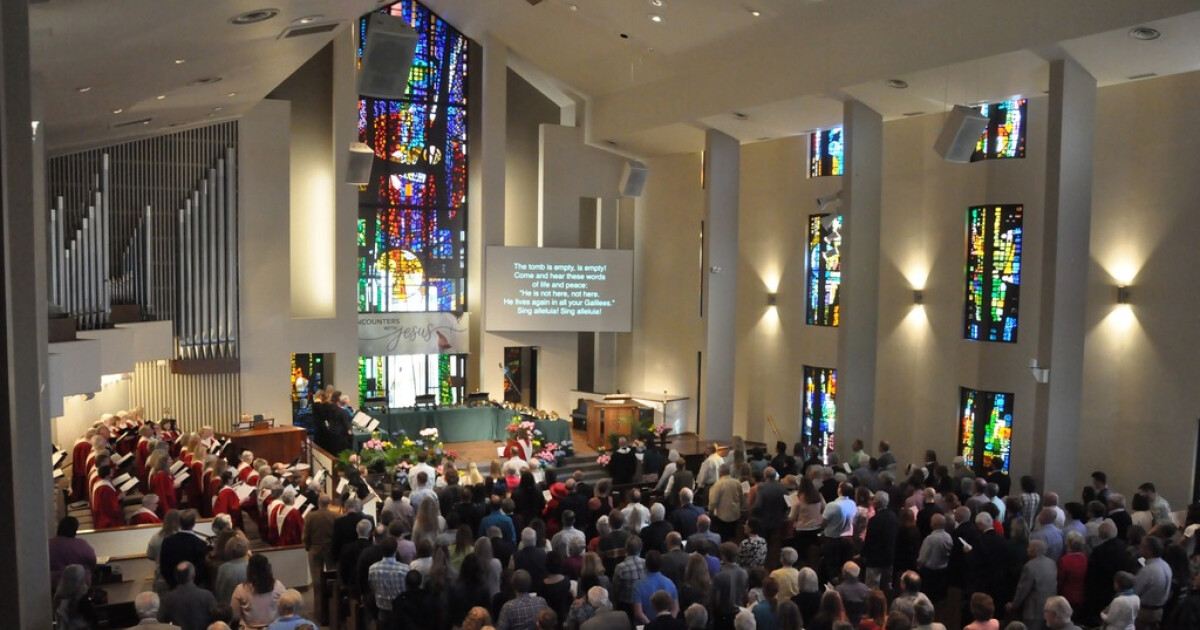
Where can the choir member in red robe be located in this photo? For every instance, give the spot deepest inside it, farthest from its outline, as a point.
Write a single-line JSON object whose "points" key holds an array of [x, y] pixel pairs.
{"points": [[162, 483], [194, 486], [106, 502], [146, 515], [142, 454], [79, 470], [289, 523], [226, 500], [245, 467], [271, 508]]}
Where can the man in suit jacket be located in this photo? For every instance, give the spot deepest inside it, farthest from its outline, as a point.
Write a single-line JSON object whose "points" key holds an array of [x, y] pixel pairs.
{"points": [[318, 541], [183, 546], [186, 605], [348, 559], [531, 557], [1107, 558], [879, 542], [1039, 582], [344, 527], [1120, 518], [683, 518], [988, 552], [770, 505]]}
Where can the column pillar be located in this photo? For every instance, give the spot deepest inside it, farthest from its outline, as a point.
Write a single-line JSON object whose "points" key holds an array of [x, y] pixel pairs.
{"points": [[859, 328], [1065, 262], [485, 216], [722, 173], [25, 488]]}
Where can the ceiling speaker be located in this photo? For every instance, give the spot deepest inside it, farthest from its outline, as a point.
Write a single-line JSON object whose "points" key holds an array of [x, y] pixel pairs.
{"points": [[358, 166], [387, 57], [960, 134], [633, 178]]}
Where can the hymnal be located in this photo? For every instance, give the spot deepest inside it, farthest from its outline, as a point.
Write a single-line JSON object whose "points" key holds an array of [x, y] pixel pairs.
{"points": [[57, 458], [300, 501], [365, 422], [341, 487], [243, 491], [178, 466]]}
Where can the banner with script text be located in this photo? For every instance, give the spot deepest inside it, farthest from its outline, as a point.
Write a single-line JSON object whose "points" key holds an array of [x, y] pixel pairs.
{"points": [[381, 334]]}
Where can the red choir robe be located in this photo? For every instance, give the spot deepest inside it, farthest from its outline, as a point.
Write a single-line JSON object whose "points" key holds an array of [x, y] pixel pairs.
{"points": [[163, 484], [142, 454], [144, 517], [290, 526], [79, 470], [244, 471], [272, 509], [226, 502], [194, 489], [106, 507], [170, 437]]}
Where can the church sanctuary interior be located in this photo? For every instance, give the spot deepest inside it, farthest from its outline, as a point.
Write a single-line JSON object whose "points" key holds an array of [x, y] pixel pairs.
{"points": [[267, 260]]}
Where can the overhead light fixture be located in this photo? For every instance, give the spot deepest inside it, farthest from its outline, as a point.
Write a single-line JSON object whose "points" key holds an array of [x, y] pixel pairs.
{"points": [[160, 97], [1144, 33], [83, 89], [117, 110], [308, 19], [217, 109], [657, 3], [1122, 294], [574, 7], [180, 62], [772, 299], [231, 94], [899, 84], [253, 17], [755, 13], [656, 18], [918, 297]]}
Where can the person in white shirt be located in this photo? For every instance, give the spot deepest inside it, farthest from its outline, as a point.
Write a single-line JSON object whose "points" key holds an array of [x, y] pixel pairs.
{"points": [[709, 468], [1123, 611]]}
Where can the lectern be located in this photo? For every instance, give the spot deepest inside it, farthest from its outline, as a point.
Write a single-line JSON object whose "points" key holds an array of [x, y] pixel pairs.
{"points": [[606, 419]]}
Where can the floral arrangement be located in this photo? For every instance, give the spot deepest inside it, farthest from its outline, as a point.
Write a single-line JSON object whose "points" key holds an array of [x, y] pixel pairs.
{"points": [[661, 431], [602, 457], [398, 451]]}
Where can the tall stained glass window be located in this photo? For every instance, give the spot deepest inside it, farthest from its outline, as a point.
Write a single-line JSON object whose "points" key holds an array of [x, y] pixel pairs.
{"points": [[825, 153], [820, 407], [823, 307], [412, 214], [412, 217], [993, 272], [1005, 134], [985, 428]]}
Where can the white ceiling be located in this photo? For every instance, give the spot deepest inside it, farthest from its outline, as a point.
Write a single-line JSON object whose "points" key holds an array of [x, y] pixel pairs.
{"points": [[655, 91]]}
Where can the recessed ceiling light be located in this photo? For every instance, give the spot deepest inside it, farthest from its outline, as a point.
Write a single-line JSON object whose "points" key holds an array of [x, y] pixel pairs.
{"points": [[253, 17], [574, 7], [656, 18], [1144, 33], [308, 19], [83, 89], [160, 97], [657, 3], [205, 81], [231, 94], [899, 84], [180, 62], [117, 110], [755, 12], [624, 35], [217, 109]]}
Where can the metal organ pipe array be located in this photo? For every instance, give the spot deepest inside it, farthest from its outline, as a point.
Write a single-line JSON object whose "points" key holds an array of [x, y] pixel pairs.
{"points": [[152, 223]]}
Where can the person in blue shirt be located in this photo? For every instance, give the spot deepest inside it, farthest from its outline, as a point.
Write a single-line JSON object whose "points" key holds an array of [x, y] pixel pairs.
{"points": [[498, 518], [647, 586], [291, 602]]}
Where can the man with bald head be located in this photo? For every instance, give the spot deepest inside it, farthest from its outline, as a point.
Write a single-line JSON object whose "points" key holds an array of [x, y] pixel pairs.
{"points": [[771, 509], [1106, 559], [933, 561], [704, 534], [683, 518]]}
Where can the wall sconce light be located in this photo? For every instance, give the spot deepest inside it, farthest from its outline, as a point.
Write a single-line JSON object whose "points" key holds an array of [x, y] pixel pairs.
{"points": [[1122, 294], [918, 297], [772, 299]]}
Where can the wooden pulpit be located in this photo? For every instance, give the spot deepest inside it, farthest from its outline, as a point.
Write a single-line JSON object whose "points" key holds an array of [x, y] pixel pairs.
{"points": [[605, 419]]}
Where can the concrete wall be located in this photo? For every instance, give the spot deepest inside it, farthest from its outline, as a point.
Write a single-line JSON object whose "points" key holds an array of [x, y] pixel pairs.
{"points": [[1139, 403], [274, 322]]}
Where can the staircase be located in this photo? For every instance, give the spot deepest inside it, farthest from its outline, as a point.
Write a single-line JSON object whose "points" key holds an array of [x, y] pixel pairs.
{"points": [[592, 472]]}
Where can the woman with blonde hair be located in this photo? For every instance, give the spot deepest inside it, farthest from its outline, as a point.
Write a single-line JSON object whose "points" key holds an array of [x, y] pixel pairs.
{"points": [[170, 526], [592, 573], [476, 619], [472, 476]]}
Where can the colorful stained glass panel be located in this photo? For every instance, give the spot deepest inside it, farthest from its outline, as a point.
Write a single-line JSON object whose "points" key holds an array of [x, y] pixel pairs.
{"points": [[820, 407], [1005, 133], [993, 282], [826, 153], [985, 422], [823, 306]]}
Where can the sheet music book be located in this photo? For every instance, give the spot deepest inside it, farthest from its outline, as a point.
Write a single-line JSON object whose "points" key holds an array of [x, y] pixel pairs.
{"points": [[181, 477], [126, 485], [304, 512], [177, 466], [58, 474], [341, 487], [120, 460], [120, 479], [300, 501], [221, 444], [78, 505], [243, 491], [745, 487], [793, 499], [539, 476], [58, 458], [546, 493], [320, 478], [365, 422]]}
